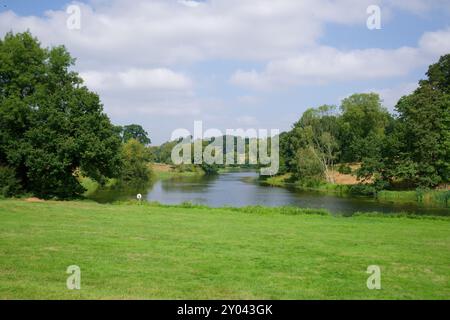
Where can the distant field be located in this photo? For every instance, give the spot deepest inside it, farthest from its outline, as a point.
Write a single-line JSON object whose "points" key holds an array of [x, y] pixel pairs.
{"points": [[151, 252]]}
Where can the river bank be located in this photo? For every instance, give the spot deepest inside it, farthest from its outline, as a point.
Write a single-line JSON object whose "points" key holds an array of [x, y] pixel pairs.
{"points": [[431, 198]]}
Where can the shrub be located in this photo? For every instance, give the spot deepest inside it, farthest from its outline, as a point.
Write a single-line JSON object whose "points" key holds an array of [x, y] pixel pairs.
{"points": [[363, 190], [344, 169], [9, 184]]}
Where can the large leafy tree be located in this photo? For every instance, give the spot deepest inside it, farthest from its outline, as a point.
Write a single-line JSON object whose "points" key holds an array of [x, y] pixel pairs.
{"points": [[314, 137], [136, 158], [362, 126], [417, 152], [135, 131], [51, 126]]}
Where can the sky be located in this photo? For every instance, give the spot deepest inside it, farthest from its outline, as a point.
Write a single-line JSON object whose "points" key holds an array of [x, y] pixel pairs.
{"points": [[234, 64]]}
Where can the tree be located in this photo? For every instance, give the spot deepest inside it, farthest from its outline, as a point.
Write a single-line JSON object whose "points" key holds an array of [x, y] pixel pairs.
{"points": [[423, 130], [439, 75], [51, 126], [136, 158], [363, 123], [135, 131], [316, 133], [417, 151], [309, 168]]}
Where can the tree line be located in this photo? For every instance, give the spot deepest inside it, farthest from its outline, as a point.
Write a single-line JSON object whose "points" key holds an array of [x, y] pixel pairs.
{"points": [[409, 148], [53, 129]]}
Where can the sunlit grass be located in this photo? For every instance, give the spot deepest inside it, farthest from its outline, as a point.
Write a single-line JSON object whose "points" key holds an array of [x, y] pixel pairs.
{"points": [[154, 252]]}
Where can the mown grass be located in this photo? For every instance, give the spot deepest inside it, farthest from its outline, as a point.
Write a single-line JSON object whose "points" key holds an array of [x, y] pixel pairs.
{"points": [[129, 251]]}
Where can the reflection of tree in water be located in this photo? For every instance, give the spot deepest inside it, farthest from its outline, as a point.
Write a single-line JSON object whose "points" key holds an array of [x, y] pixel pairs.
{"points": [[121, 192], [189, 184]]}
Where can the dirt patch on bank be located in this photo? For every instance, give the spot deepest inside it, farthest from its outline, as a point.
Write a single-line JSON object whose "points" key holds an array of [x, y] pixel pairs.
{"points": [[34, 200], [162, 167]]}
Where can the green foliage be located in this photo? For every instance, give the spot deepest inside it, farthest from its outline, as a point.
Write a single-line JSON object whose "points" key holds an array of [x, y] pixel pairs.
{"points": [[439, 75], [314, 137], [135, 131], [362, 126], [163, 153], [9, 184], [51, 125], [344, 169], [136, 169], [308, 166], [209, 169], [411, 150], [416, 153], [363, 190]]}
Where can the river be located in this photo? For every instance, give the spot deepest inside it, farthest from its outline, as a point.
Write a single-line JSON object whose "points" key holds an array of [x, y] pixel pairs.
{"points": [[239, 189]]}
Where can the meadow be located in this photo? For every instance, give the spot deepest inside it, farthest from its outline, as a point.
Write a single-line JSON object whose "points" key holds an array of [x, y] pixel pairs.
{"points": [[149, 251]]}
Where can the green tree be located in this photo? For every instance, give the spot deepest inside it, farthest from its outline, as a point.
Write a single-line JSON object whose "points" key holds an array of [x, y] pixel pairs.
{"points": [[51, 126], [135, 131], [362, 126], [136, 158], [308, 168], [417, 151], [315, 135]]}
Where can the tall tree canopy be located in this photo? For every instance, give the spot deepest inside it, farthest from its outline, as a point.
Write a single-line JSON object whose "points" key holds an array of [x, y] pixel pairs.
{"points": [[362, 125], [51, 126], [417, 153], [135, 131]]}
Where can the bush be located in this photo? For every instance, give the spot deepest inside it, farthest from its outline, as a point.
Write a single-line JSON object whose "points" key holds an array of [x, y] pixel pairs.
{"points": [[363, 190], [9, 184], [344, 169]]}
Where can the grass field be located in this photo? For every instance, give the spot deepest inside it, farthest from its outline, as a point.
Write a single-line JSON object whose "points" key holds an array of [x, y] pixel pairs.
{"points": [[155, 252]]}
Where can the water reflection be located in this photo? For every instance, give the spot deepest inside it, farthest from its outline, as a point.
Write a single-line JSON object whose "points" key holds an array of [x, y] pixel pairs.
{"points": [[242, 189]]}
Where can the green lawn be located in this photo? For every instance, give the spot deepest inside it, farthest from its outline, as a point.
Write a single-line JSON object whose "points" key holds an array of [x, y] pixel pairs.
{"points": [[149, 252]]}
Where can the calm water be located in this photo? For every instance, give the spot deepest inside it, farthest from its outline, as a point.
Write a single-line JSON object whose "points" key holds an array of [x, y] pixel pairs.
{"points": [[241, 189]]}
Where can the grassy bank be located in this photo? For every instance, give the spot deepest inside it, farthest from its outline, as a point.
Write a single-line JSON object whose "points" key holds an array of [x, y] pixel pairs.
{"points": [[159, 172], [165, 171], [153, 252], [286, 181], [432, 198]]}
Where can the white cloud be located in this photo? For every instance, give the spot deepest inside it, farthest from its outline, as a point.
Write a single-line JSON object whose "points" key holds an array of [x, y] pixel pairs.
{"points": [[436, 43], [390, 96], [164, 32], [131, 52], [140, 79], [326, 64], [322, 65]]}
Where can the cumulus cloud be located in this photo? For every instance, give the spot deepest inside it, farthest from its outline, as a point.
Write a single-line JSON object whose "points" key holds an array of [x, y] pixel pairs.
{"points": [[322, 65], [160, 79], [169, 31], [436, 43], [131, 52], [391, 96]]}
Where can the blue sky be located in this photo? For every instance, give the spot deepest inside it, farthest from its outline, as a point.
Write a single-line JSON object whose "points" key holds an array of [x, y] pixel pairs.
{"points": [[237, 64]]}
